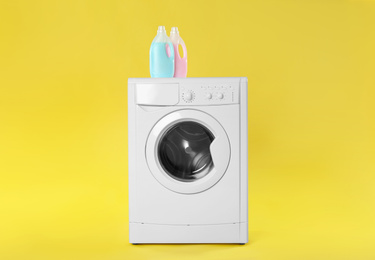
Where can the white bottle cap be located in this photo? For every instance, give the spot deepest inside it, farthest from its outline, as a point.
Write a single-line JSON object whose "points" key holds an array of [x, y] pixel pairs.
{"points": [[161, 29], [174, 30]]}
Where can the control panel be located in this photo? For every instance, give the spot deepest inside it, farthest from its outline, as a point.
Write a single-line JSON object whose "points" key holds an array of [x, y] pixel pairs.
{"points": [[187, 91], [209, 94]]}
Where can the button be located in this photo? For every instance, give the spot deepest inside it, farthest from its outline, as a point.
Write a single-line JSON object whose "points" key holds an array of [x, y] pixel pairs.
{"points": [[188, 96], [208, 95], [220, 95]]}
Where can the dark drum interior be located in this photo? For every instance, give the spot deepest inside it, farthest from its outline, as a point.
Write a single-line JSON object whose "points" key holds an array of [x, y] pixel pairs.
{"points": [[184, 151]]}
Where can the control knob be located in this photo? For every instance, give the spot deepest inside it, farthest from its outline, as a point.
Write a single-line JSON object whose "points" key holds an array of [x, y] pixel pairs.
{"points": [[188, 96]]}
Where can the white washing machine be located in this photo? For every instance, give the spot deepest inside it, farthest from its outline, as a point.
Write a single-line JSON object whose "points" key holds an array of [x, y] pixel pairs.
{"points": [[188, 160]]}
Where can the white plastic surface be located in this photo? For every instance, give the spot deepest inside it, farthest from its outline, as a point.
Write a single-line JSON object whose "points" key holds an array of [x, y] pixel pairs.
{"points": [[155, 234], [157, 204], [189, 91], [243, 161], [204, 217], [157, 94]]}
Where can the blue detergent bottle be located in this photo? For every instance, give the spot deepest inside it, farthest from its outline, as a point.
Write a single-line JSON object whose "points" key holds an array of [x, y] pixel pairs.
{"points": [[161, 55]]}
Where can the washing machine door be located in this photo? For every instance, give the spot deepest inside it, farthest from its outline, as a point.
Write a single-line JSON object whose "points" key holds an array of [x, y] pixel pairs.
{"points": [[188, 151]]}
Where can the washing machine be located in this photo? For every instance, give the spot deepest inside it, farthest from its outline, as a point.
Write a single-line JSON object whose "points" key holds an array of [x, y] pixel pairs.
{"points": [[188, 160]]}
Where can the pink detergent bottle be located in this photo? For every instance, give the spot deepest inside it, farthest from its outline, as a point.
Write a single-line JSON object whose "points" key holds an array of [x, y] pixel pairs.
{"points": [[180, 63]]}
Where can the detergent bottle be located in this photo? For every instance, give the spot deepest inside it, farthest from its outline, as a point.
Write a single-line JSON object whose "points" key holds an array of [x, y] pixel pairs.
{"points": [[161, 55], [180, 63]]}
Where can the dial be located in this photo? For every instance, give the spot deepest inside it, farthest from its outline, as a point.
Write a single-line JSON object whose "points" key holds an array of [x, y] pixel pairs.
{"points": [[220, 95], [188, 96], [208, 95]]}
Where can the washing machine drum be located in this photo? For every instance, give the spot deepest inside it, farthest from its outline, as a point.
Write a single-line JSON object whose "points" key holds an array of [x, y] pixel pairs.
{"points": [[187, 151], [184, 151]]}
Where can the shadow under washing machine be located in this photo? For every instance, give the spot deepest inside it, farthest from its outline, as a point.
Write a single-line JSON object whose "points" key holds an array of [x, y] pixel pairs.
{"points": [[188, 161]]}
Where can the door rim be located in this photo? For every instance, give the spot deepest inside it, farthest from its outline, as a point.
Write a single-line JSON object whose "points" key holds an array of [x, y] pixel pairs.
{"points": [[155, 135]]}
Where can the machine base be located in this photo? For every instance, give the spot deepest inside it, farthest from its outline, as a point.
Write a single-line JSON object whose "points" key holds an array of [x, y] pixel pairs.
{"points": [[143, 233]]}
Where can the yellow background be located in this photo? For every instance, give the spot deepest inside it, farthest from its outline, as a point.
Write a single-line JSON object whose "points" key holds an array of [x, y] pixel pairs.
{"points": [[64, 67]]}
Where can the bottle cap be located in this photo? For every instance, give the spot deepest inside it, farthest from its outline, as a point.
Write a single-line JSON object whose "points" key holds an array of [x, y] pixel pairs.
{"points": [[174, 30], [161, 29]]}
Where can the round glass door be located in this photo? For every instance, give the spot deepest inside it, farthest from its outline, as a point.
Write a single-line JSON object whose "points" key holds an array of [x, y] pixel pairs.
{"points": [[187, 151], [184, 151]]}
